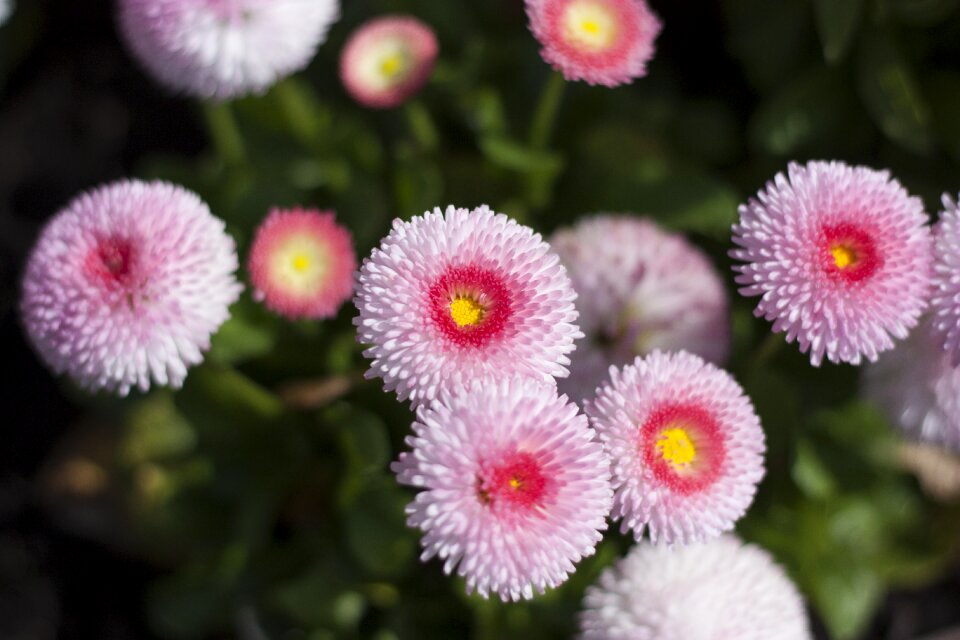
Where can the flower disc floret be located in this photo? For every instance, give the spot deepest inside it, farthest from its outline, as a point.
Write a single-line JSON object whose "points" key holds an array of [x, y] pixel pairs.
{"points": [[685, 444], [515, 489]]}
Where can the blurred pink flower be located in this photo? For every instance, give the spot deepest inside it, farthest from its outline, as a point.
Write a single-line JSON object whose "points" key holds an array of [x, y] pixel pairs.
{"points": [[946, 278], [516, 489], [302, 263], [685, 446], [128, 283], [225, 48], [606, 42], [723, 589], [454, 296], [387, 60], [638, 288], [841, 257]]}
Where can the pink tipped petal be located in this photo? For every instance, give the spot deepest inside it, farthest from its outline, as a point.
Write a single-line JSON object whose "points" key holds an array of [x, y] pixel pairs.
{"points": [[639, 288], [606, 42], [225, 48], [685, 444], [127, 284], [387, 60], [514, 486], [840, 256], [459, 295], [946, 279], [302, 263], [721, 590]]}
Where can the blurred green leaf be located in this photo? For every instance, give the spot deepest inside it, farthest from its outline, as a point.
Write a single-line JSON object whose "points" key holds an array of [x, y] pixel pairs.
{"points": [[837, 22], [375, 530], [846, 596], [923, 12], [810, 474], [509, 154]]}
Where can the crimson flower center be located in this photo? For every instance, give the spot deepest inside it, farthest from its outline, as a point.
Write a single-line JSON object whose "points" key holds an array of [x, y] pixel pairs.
{"points": [[848, 253], [112, 260], [470, 305], [683, 445], [518, 481]]}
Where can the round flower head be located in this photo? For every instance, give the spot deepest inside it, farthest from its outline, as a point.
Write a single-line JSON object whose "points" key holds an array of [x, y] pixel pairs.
{"points": [[721, 590], [225, 48], [607, 42], [302, 263], [387, 60], [456, 295], [918, 388], [127, 284], [639, 288], [946, 297], [685, 445], [841, 257], [515, 487]]}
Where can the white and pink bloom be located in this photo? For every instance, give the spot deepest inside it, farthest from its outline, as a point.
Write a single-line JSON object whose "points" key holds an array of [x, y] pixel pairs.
{"points": [[302, 263], [515, 487], [723, 589], [946, 279], [605, 42], [840, 256], [225, 48], [387, 60], [639, 288], [454, 296], [127, 284], [685, 445]]}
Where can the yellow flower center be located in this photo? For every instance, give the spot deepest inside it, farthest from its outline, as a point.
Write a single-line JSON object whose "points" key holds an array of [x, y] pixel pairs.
{"points": [[843, 256], [676, 447], [392, 65], [515, 483], [301, 263], [466, 312], [591, 25]]}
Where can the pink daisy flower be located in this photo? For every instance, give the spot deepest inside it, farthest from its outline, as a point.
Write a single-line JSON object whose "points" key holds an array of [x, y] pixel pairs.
{"points": [[946, 279], [685, 444], [918, 388], [515, 488], [128, 283], [302, 263], [453, 296], [607, 42], [387, 60], [639, 288], [720, 590], [841, 257], [225, 48]]}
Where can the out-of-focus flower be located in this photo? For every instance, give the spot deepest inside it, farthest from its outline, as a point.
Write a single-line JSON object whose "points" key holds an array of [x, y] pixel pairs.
{"points": [[387, 60], [685, 444], [225, 48], [638, 288], [454, 296], [841, 257], [918, 388], [606, 42], [516, 489], [302, 263], [946, 278], [721, 589], [128, 283], [6, 8]]}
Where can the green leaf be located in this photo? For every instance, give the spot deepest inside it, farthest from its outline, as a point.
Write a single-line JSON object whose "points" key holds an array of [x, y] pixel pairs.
{"points": [[509, 154], [240, 339], [810, 474], [891, 94], [846, 595], [375, 531], [924, 12], [837, 22]]}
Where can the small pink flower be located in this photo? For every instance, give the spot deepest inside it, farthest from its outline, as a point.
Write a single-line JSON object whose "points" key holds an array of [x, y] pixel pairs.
{"points": [[454, 296], [302, 263], [606, 42], [515, 487], [639, 288], [387, 60], [946, 279], [128, 283], [721, 590], [225, 48], [841, 257], [685, 444]]}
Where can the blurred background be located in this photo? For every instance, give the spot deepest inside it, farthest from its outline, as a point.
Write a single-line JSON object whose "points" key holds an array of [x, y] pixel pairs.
{"points": [[257, 502]]}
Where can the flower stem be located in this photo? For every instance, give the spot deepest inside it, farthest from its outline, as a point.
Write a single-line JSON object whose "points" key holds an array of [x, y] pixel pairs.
{"points": [[421, 125], [547, 108], [224, 132]]}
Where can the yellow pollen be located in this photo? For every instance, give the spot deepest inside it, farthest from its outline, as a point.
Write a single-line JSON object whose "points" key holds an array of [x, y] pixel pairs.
{"points": [[514, 483], [590, 26], [843, 256], [676, 447], [466, 312], [301, 262], [391, 66]]}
